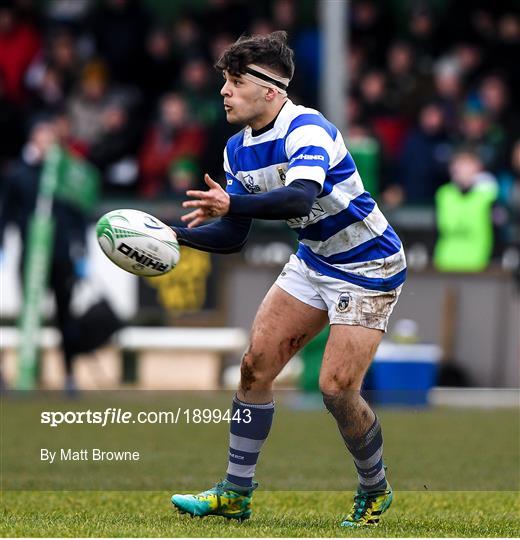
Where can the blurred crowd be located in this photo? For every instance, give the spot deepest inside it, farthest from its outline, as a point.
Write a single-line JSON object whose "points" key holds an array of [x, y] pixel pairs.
{"points": [[132, 89], [129, 86]]}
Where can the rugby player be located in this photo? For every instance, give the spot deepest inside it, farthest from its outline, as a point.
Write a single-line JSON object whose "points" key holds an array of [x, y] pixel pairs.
{"points": [[290, 163]]}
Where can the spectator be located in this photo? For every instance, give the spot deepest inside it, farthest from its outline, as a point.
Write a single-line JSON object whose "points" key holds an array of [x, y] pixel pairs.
{"points": [[423, 34], [161, 65], [374, 95], [174, 137], [63, 56], [479, 134], [469, 57], [464, 216], [424, 160], [388, 125], [405, 83], [356, 64], [368, 20], [115, 150], [218, 44], [198, 86], [18, 204], [494, 95], [187, 38], [49, 93], [120, 28], [87, 103], [448, 91], [52, 74], [19, 44]]}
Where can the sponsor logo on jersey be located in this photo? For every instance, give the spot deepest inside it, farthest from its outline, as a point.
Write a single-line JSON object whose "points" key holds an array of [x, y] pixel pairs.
{"points": [[307, 157], [343, 302], [143, 260], [317, 211]]}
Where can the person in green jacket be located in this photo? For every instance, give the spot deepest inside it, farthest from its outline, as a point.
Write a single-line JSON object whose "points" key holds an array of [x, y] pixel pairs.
{"points": [[464, 216]]}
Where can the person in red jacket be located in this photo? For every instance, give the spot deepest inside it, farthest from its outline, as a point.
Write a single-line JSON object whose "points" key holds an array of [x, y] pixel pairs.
{"points": [[19, 44], [174, 136]]}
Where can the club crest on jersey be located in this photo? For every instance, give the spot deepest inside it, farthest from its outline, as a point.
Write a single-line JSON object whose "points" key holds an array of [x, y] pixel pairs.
{"points": [[281, 174], [250, 184], [343, 302]]}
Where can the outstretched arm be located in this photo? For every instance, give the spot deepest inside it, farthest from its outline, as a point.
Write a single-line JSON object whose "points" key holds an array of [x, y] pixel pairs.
{"points": [[287, 202], [228, 235]]}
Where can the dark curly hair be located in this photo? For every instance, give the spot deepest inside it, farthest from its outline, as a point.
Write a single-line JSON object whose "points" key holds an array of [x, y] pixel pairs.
{"points": [[269, 51]]}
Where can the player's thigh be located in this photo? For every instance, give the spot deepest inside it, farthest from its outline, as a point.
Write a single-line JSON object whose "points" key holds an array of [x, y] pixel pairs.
{"points": [[348, 354], [282, 326]]}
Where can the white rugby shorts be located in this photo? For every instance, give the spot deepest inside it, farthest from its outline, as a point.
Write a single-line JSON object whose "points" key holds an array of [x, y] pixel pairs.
{"points": [[345, 302]]}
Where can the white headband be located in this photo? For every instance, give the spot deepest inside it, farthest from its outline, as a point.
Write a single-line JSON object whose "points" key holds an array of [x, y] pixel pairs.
{"points": [[267, 78]]}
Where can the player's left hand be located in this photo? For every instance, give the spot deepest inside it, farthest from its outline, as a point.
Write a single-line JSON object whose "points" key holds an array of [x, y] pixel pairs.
{"points": [[209, 204]]}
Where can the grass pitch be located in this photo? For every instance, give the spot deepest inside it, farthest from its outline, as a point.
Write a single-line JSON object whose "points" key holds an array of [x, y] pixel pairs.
{"points": [[456, 472], [292, 514]]}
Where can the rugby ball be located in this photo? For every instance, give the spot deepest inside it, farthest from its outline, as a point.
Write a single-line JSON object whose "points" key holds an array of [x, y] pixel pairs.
{"points": [[138, 242]]}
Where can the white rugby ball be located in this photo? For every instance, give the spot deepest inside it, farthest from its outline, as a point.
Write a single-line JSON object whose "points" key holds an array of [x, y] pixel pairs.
{"points": [[138, 242]]}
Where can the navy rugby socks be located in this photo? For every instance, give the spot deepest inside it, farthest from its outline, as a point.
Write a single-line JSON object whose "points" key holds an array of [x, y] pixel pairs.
{"points": [[249, 428], [367, 452]]}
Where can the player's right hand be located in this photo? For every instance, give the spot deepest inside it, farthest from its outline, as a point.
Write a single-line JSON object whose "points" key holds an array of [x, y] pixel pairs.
{"points": [[211, 203]]}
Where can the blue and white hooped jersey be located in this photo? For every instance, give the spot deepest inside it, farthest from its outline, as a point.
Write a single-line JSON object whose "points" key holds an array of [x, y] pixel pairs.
{"points": [[345, 235]]}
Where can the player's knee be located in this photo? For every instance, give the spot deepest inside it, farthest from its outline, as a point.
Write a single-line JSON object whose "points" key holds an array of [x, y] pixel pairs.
{"points": [[332, 383], [253, 370], [339, 391]]}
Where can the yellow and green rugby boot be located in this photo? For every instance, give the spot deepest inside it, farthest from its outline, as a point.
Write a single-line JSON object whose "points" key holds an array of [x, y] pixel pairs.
{"points": [[368, 508], [225, 499]]}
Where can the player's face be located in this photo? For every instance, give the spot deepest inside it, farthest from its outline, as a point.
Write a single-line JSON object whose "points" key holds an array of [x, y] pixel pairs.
{"points": [[244, 101]]}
